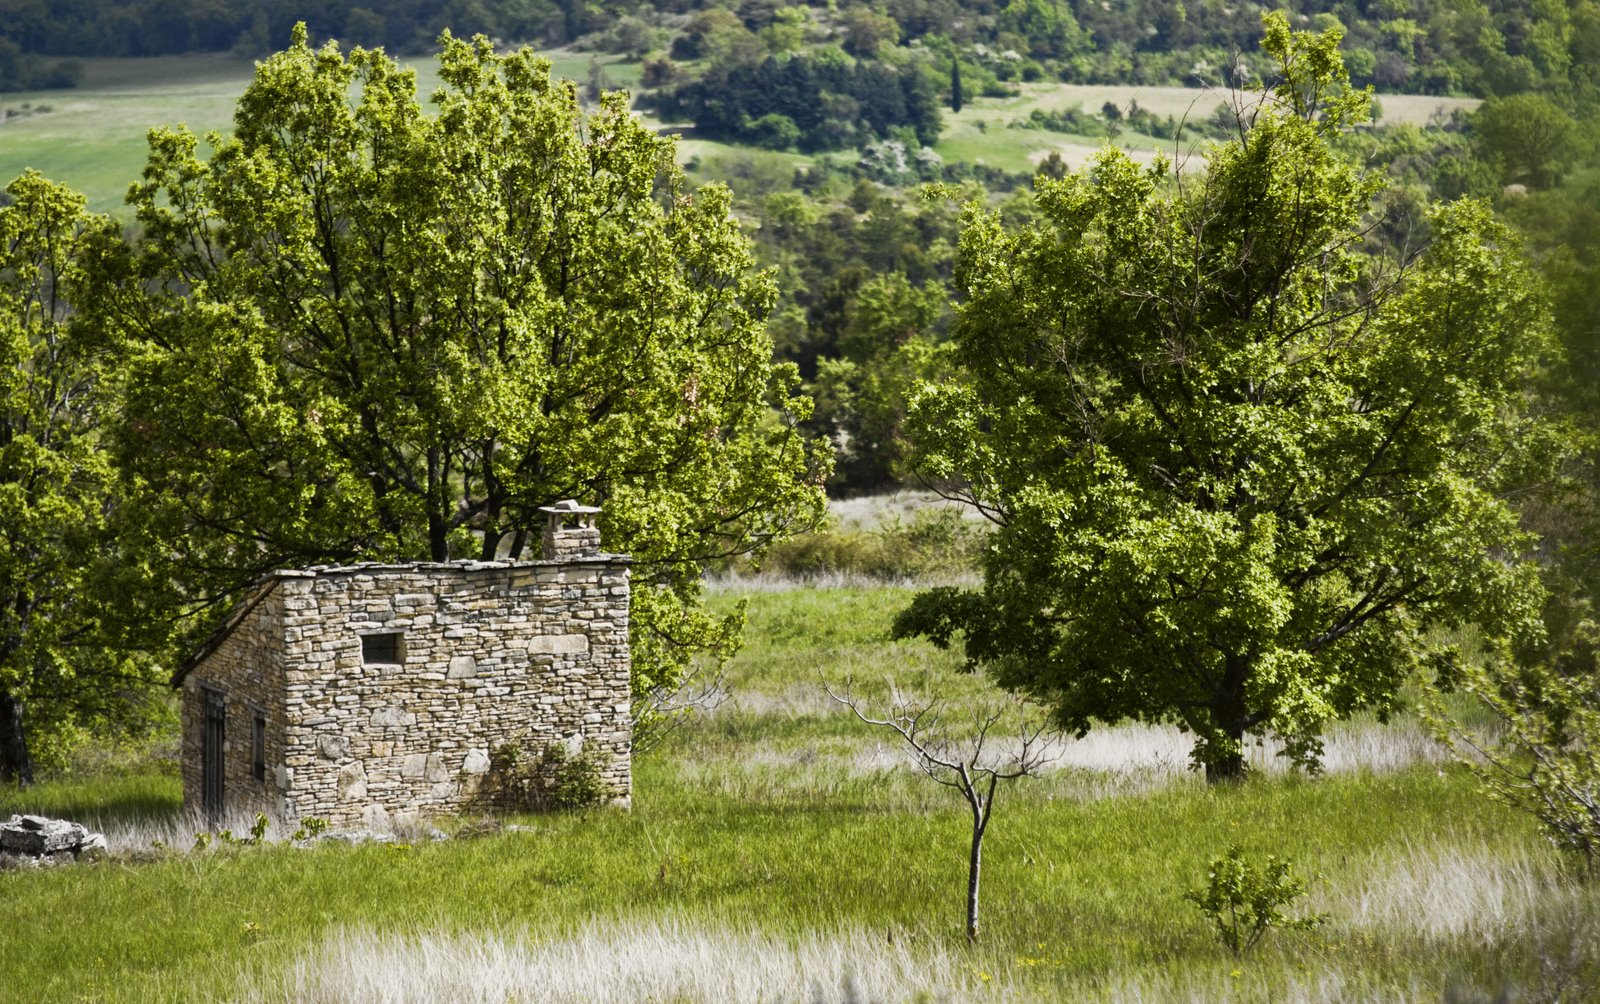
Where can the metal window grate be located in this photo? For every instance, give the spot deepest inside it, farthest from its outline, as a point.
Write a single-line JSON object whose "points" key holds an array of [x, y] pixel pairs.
{"points": [[213, 735], [258, 748]]}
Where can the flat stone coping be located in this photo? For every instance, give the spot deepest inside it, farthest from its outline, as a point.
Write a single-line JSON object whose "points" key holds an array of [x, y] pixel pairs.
{"points": [[465, 565]]}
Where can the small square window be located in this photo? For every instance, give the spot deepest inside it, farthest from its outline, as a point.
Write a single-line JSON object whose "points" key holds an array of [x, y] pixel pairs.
{"points": [[258, 748], [382, 649]]}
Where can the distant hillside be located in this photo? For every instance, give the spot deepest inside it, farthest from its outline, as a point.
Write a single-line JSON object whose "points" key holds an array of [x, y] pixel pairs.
{"points": [[1482, 47]]}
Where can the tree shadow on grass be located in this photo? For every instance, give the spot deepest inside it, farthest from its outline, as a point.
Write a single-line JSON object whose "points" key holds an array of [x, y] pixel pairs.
{"points": [[124, 799]]}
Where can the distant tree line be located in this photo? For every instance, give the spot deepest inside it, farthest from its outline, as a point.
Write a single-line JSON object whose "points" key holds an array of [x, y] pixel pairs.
{"points": [[24, 71], [822, 100], [168, 27], [1484, 47]]}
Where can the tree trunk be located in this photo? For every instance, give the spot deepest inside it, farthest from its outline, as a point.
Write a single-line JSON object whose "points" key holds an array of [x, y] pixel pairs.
{"points": [[438, 524], [1230, 717], [16, 764], [438, 538], [974, 868], [491, 544], [1230, 768]]}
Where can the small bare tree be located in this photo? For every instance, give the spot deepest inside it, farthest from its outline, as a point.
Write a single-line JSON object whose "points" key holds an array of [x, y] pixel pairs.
{"points": [[973, 765], [659, 712]]}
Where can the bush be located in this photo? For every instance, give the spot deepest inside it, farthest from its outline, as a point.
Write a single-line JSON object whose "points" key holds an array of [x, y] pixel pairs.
{"points": [[934, 542], [1546, 761], [772, 132], [1243, 901], [554, 780], [1074, 121], [137, 737]]}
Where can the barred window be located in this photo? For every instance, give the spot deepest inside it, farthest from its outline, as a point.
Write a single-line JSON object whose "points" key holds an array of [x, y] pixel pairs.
{"points": [[258, 748]]}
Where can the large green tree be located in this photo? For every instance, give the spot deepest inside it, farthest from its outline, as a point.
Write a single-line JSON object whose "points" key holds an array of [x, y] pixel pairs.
{"points": [[362, 330], [57, 669], [1242, 470]]}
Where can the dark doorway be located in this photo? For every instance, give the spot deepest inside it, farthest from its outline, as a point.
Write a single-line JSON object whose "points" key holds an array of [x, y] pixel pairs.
{"points": [[211, 741]]}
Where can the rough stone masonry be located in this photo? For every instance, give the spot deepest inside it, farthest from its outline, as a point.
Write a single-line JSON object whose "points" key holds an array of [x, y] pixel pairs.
{"points": [[370, 695]]}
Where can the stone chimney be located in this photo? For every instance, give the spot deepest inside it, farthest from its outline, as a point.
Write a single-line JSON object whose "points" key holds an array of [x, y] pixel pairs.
{"points": [[570, 533]]}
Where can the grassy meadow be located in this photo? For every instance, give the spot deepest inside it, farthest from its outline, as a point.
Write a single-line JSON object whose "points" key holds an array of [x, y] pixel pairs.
{"points": [[779, 850], [979, 134], [92, 138]]}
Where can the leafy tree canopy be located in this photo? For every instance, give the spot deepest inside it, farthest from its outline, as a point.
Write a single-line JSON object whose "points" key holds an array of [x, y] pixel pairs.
{"points": [[56, 669], [1242, 470], [1532, 138], [360, 331]]}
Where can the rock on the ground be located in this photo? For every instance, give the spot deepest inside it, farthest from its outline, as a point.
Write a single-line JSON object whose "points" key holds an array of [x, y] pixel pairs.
{"points": [[40, 837]]}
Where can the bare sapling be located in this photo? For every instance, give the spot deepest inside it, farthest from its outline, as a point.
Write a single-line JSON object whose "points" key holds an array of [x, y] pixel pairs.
{"points": [[973, 762], [662, 710]]}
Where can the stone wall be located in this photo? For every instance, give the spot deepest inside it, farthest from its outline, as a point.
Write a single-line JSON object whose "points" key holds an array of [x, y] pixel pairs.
{"points": [[490, 653], [247, 667]]}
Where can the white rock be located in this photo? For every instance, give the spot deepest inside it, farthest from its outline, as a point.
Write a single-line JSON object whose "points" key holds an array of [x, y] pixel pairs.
{"points": [[333, 747], [352, 782]]}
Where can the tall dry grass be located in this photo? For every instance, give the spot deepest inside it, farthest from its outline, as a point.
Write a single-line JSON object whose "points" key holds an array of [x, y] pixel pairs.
{"points": [[1438, 889], [624, 961]]}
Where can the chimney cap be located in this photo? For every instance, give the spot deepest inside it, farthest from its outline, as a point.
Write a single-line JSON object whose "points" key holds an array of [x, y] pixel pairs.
{"points": [[568, 507]]}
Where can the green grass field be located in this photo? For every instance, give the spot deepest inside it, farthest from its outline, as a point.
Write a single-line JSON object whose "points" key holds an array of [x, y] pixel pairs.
{"points": [[777, 850], [93, 137], [978, 132]]}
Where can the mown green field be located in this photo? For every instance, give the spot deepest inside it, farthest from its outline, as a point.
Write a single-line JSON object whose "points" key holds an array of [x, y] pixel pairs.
{"points": [[777, 850]]}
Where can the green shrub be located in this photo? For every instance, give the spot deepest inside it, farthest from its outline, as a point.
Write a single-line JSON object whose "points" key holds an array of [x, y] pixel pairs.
{"points": [[552, 781], [1074, 121], [258, 832], [310, 828], [1545, 759], [772, 132], [1243, 901], [136, 737], [934, 542]]}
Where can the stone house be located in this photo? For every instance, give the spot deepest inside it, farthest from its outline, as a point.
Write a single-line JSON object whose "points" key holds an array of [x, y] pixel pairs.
{"points": [[371, 694]]}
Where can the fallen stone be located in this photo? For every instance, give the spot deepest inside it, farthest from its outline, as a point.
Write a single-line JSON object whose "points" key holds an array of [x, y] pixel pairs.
{"points": [[41, 838], [360, 837]]}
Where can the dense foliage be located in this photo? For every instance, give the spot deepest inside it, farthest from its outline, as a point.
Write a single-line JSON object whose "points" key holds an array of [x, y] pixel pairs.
{"points": [[25, 71], [1485, 47], [357, 331], [60, 665], [1242, 469], [1433, 46], [824, 101]]}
